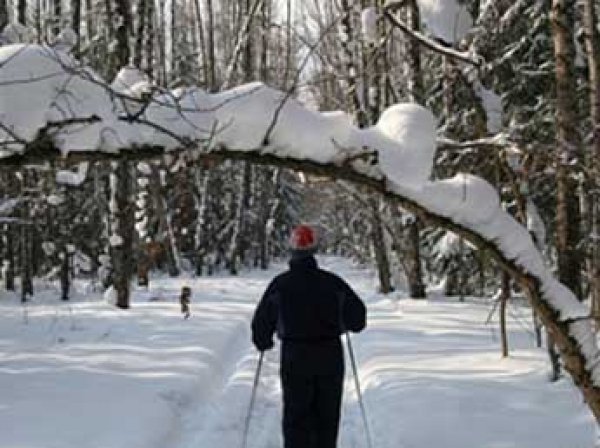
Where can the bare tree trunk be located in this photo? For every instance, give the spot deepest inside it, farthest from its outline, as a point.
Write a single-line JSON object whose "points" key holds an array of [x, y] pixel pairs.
{"points": [[26, 262], [568, 147], [212, 62], [122, 226], [65, 280], [416, 95], [201, 41], [123, 30], [90, 28], [9, 259], [362, 119], [237, 246], [150, 41], [138, 51], [380, 249], [56, 17], [22, 11], [504, 297], [76, 22], [593, 54], [3, 14]]}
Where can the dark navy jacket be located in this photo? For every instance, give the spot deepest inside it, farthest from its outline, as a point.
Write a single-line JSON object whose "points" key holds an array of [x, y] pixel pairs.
{"points": [[309, 308]]}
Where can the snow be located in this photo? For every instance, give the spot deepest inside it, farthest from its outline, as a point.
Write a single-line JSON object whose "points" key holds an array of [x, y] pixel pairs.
{"points": [[84, 373], [116, 240], [15, 33], [66, 40], [41, 85], [7, 206], [447, 246], [55, 199], [369, 25], [445, 19], [73, 179], [465, 198], [133, 83], [405, 137], [241, 119], [492, 104], [144, 168], [535, 224]]}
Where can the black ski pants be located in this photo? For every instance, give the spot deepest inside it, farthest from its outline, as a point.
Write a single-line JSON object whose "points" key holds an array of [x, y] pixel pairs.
{"points": [[311, 409]]}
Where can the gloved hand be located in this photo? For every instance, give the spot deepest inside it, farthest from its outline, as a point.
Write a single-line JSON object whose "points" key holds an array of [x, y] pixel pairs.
{"points": [[262, 346]]}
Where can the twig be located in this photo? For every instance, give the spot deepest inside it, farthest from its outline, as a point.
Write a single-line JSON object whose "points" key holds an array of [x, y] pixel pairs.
{"points": [[292, 88], [432, 45]]}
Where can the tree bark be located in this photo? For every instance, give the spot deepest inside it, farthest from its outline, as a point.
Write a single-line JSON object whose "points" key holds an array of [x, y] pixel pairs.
{"points": [[138, 51], [568, 151], [122, 227], [3, 14], [212, 61], [76, 21], [593, 55], [9, 259], [504, 297], [22, 11], [380, 249], [416, 286]]}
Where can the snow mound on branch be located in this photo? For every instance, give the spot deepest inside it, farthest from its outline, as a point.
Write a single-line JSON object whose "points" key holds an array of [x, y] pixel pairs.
{"points": [[185, 112], [245, 118], [66, 40], [127, 78], [73, 179], [445, 19], [247, 115], [40, 86], [133, 83], [405, 137], [464, 198]]}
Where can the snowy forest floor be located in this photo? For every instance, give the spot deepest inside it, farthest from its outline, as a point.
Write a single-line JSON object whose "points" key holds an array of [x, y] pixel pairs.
{"points": [[83, 374]]}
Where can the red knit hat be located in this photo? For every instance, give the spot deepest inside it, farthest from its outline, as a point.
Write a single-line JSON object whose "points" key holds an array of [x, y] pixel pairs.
{"points": [[303, 237]]}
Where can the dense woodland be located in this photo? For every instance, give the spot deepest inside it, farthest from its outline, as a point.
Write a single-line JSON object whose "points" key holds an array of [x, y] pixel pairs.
{"points": [[516, 95]]}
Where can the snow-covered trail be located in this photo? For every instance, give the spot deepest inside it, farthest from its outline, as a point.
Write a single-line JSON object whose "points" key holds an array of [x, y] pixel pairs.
{"points": [[87, 375], [220, 420], [431, 375]]}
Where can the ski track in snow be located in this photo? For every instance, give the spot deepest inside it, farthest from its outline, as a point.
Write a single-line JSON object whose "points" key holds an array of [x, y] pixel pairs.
{"points": [[416, 372], [219, 422]]}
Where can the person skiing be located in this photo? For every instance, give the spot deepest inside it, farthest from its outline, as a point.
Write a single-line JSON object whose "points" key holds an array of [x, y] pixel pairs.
{"points": [[309, 308]]}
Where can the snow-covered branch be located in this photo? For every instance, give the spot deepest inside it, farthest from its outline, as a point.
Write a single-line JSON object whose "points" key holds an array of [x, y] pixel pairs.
{"points": [[467, 57], [497, 142]]}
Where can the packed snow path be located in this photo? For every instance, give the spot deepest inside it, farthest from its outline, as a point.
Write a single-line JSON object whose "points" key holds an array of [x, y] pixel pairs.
{"points": [[87, 375]]}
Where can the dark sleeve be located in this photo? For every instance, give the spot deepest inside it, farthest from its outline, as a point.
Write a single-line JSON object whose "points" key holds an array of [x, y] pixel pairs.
{"points": [[354, 312], [264, 321]]}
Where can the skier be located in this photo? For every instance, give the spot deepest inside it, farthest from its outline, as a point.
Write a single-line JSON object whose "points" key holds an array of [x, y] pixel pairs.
{"points": [[309, 308]]}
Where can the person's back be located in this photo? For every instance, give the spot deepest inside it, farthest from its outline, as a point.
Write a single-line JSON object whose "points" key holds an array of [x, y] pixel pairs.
{"points": [[309, 308]]}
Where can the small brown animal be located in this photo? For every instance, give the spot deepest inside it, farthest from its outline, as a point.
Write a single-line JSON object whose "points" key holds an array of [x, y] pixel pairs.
{"points": [[184, 300]]}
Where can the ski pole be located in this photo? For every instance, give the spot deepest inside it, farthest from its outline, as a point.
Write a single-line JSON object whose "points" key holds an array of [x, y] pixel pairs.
{"points": [[358, 392], [252, 400]]}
